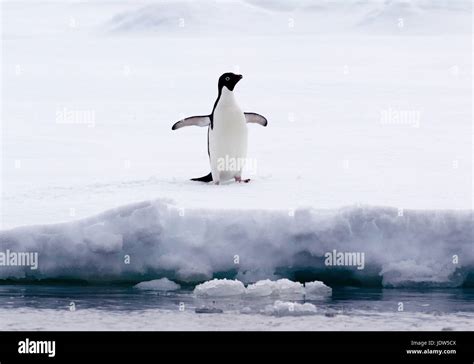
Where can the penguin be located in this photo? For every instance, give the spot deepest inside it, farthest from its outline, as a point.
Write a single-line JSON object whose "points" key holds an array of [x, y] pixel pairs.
{"points": [[226, 133]]}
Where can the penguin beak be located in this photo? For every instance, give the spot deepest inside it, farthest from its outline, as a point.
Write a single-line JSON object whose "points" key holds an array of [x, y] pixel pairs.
{"points": [[240, 77]]}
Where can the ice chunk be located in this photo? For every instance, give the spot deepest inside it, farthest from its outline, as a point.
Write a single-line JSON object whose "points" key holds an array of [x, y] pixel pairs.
{"points": [[246, 310], [163, 284], [260, 288], [316, 289], [281, 308], [100, 239], [220, 288], [287, 288], [208, 310], [281, 288]]}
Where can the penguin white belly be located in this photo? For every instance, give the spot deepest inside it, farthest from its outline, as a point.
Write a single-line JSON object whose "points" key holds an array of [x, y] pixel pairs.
{"points": [[227, 139]]}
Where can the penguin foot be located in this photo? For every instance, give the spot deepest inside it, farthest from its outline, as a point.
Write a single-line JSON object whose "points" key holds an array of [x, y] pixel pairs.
{"points": [[216, 183], [239, 179]]}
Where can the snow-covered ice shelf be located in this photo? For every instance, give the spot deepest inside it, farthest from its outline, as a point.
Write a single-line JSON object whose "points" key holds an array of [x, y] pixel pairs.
{"points": [[155, 239]]}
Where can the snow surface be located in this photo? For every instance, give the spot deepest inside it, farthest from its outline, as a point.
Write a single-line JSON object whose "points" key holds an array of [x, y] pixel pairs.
{"points": [[163, 284], [323, 74], [156, 239], [281, 308], [94, 319]]}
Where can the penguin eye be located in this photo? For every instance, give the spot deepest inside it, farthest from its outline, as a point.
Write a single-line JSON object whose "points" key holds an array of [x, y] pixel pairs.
{"points": [[227, 78]]}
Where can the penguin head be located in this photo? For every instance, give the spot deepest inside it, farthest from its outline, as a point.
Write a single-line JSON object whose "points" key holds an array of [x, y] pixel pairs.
{"points": [[229, 80]]}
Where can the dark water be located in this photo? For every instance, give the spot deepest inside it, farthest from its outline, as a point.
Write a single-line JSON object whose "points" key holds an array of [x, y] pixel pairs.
{"points": [[123, 298]]}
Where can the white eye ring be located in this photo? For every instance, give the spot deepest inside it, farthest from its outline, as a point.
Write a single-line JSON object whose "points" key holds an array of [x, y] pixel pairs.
{"points": [[227, 78]]}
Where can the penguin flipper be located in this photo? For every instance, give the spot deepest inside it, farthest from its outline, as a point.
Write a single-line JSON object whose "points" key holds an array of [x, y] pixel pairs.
{"points": [[252, 117], [201, 120], [207, 178]]}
